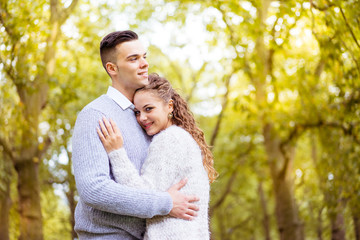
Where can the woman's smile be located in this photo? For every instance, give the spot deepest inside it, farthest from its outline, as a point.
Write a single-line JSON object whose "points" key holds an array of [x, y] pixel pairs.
{"points": [[152, 112]]}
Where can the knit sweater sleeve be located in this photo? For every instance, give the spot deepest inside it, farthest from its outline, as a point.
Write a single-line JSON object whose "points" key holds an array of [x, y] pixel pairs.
{"points": [[125, 172], [173, 155], [160, 168], [92, 175]]}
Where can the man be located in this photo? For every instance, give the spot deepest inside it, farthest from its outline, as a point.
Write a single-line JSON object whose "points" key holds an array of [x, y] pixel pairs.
{"points": [[106, 209]]}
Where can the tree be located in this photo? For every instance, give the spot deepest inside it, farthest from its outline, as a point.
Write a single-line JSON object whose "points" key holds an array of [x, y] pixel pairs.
{"points": [[32, 83]]}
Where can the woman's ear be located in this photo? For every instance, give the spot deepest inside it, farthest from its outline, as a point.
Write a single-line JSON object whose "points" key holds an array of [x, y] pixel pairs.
{"points": [[171, 105]]}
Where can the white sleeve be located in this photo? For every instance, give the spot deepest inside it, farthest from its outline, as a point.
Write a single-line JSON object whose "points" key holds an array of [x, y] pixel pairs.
{"points": [[125, 172], [162, 167]]}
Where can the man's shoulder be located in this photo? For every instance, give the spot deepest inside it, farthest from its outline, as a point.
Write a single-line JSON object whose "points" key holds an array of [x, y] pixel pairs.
{"points": [[99, 103], [98, 106]]}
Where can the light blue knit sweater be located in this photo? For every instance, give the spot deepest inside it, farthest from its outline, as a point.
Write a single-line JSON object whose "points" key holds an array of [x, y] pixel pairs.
{"points": [[106, 209]]}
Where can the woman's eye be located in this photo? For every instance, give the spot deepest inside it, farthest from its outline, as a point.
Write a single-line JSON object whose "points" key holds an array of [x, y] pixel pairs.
{"points": [[148, 109], [137, 113]]}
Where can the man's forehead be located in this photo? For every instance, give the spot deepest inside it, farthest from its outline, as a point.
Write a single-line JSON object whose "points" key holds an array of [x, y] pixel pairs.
{"points": [[134, 47]]}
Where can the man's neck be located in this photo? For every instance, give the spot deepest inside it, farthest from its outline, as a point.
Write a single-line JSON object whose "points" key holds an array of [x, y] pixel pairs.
{"points": [[129, 94]]}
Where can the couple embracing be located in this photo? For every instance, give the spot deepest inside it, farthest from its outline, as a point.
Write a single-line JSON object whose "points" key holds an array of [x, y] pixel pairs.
{"points": [[141, 165]]}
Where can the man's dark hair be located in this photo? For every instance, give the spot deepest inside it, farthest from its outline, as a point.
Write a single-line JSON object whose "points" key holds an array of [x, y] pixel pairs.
{"points": [[110, 41]]}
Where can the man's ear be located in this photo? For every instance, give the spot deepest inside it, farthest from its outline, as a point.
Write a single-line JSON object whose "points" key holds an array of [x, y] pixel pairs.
{"points": [[111, 68]]}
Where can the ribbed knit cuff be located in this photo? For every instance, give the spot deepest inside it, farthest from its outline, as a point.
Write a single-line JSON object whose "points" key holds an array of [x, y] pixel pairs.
{"points": [[165, 203], [118, 153]]}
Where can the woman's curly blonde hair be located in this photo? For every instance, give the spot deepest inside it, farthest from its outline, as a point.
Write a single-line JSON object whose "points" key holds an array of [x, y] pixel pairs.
{"points": [[182, 117]]}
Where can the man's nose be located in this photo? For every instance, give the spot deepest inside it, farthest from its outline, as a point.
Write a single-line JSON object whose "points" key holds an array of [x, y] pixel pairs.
{"points": [[144, 63]]}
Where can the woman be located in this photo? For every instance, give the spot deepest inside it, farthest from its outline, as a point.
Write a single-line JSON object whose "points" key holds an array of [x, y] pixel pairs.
{"points": [[178, 150]]}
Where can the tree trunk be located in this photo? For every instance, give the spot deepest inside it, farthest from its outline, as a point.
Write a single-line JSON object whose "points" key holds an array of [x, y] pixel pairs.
{"points": [[289, 226], [280, 159], [72, 204], [319, 227], [29, 200], [266, 218], [314, 154], [337, 222], [337, 227], [5, 203], [356, 220], [70, 194], [5, 200]]}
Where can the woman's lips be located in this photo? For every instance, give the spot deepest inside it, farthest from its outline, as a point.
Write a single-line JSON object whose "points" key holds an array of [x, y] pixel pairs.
{"points": [[147, 125]]}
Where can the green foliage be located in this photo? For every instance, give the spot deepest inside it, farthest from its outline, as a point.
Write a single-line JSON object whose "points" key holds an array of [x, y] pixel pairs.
{"points": [[56, 217], [305, 83]]}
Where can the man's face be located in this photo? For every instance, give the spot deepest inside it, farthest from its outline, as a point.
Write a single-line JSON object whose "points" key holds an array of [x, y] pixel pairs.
{"points": [[131, 65]]}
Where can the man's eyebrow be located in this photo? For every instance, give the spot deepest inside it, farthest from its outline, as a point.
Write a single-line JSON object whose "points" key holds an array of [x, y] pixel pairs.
{"points": [[135, 55], [132, 55]]}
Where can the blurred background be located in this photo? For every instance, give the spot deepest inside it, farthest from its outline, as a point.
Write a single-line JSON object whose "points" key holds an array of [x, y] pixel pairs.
{"points": [[274, 85]]}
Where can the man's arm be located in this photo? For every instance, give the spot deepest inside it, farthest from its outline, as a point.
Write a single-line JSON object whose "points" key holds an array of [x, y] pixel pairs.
{"points": [[183, 206]]}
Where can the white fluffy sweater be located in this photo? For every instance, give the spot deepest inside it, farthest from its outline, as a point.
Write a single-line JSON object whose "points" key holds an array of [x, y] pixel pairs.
{"points": [[173, 155]]}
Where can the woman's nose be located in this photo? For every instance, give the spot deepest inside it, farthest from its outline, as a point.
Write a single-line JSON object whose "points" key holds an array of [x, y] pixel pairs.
{"points": [[143, 117]]}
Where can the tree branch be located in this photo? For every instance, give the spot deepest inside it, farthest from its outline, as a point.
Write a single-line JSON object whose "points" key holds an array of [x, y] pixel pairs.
{"points": [[349, 27], [223, 107], [231, 180], [43, 147], [7, 148], [4, 14], [195, 77], [323, 8], [8, 70], [67, 11]]}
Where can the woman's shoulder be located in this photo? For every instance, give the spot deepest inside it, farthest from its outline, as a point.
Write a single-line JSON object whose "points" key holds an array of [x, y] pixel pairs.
{"points": [[175, 135], [174, 132]]}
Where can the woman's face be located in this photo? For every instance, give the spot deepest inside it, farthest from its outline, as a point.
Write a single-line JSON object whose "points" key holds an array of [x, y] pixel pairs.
{"points": [[152, 112]]}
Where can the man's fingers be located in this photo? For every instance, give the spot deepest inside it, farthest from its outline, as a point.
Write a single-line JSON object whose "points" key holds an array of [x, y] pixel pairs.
{"points": [[180, 184], [191, 213], [187, 217], [193, 207], [193, 199]]}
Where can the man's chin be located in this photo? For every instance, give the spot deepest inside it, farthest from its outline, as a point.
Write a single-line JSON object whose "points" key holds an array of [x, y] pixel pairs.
{"points": [[144, 82]]}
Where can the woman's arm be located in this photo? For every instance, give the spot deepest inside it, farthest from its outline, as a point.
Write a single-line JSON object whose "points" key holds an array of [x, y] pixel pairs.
{"points": [[162, 167], [158, 172], [125, 172]]}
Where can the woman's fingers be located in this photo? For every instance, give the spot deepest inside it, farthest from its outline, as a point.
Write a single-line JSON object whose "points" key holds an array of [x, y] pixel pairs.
{"points": [[101, 135], [108, 126], [103, 129], [116, 129], [110, 135]]}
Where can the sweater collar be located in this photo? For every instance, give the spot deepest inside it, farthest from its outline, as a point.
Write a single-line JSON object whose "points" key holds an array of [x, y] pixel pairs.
{"points": [[119, 98]]}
